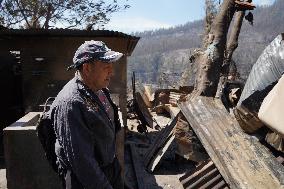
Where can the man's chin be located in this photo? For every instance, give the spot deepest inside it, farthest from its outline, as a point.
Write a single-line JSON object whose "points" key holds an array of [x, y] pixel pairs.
{"points": [[106, 84]]}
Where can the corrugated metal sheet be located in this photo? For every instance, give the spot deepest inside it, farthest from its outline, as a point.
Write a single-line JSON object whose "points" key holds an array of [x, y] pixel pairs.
{"points": [[132, 40], [204, 176], [64, 32], [242, 161], [264, 74]]}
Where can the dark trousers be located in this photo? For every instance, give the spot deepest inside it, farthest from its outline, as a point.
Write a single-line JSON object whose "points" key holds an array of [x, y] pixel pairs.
{"points": [[112, 172]]}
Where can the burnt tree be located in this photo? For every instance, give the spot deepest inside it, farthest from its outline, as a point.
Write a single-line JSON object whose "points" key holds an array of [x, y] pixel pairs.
{"points": [[210, 62], [232, 43], [211, 12], [231, 46]]}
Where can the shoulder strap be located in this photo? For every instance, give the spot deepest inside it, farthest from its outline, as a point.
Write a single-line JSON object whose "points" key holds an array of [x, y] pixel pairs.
{"points": [[47, 137], [115, 110], [46, 102]]}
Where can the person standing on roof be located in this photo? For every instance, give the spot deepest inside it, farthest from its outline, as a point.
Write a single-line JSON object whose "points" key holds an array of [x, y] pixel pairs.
{"points": [[85, 121]]}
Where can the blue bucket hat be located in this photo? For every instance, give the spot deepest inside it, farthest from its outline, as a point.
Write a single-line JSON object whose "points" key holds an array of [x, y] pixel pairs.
{"points": [[94, 50]]}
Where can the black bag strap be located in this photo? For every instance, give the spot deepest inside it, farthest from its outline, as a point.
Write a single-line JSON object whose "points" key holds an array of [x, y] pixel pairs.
{"points": [[46, 102]]}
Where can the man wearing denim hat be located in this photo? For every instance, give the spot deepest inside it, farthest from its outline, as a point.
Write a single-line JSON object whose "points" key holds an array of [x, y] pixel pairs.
{"points": [[86, 120]]}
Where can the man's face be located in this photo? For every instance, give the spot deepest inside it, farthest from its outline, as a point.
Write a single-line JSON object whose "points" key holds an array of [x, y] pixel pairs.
{"points": [[98, 74]]}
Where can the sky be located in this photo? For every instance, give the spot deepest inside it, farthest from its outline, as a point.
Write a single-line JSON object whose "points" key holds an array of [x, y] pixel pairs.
{"points": [[154, 14]]}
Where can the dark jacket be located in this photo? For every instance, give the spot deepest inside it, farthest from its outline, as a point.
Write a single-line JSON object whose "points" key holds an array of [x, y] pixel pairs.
{"points": [[85, 134]]}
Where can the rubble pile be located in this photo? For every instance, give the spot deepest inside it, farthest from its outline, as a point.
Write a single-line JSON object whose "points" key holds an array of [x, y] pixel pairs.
{"points": [[205, 142], [159, 151]]}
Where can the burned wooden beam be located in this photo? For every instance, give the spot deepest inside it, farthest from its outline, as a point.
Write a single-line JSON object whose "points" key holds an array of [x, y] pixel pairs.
{"points": [[242, 161], [140, 107], [142, 110], [173, 111], [160, 153], [159, 146]]}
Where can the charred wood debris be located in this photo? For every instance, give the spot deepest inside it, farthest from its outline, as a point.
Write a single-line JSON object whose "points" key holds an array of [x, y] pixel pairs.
{"points": [[205, 142]]}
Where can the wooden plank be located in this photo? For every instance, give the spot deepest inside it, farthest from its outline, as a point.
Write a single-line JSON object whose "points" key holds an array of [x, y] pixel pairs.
{"points": [[141, 108], [173, 111], [242, 161], [143, 112], [159, 142], [158, 156]]}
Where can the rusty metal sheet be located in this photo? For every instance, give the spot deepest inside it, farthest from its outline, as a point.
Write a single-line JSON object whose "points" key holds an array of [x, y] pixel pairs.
{"points": [[241, 159], [206, 175]]}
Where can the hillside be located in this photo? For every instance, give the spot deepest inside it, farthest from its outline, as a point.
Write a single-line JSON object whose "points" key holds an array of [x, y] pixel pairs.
{"points": [[164, 54]]}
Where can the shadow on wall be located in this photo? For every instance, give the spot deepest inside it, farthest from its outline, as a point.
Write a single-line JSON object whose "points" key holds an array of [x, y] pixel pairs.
{"points": [[11, 108]]}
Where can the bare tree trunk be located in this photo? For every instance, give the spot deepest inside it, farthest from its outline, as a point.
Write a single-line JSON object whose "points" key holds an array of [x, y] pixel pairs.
{"points": [[211, 12], [210, 62], [232, 45], [233, 40]]}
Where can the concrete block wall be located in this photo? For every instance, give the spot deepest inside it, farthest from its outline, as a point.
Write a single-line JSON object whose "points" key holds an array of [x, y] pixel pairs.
{"points": [[26, 165]]}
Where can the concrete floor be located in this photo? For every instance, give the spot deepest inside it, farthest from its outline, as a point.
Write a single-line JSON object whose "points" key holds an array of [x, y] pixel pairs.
{"points": [[3, 181]]}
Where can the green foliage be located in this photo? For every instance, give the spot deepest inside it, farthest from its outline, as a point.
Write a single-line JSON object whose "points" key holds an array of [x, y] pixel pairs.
{"points": [[63, 13]]}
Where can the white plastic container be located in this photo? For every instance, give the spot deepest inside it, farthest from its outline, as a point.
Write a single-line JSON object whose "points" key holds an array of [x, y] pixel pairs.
{"points": [[271, 111]]}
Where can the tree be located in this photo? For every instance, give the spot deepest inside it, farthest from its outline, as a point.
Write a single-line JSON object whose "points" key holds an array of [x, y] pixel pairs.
{"points": [[47, 14], [211, 12], [211, 61], [231, 46], [232, 43]]}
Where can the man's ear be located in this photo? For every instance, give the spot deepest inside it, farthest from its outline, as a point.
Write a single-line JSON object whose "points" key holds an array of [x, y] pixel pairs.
{"points": [[86, 69]]}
